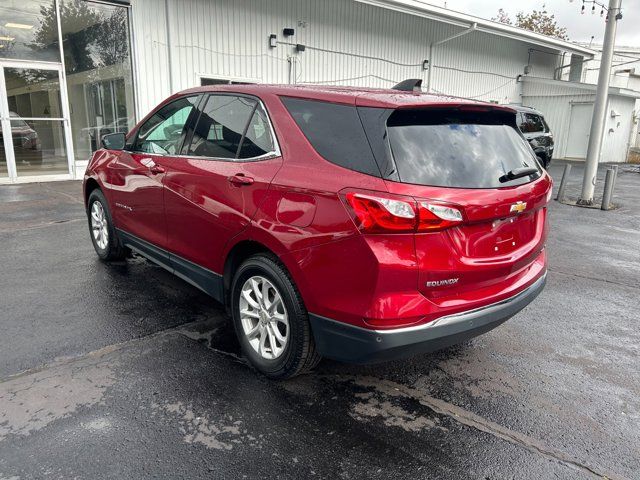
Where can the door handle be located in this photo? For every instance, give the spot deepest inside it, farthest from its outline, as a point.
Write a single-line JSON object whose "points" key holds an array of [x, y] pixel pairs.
{"points": [[240, 179], [152, 166]]}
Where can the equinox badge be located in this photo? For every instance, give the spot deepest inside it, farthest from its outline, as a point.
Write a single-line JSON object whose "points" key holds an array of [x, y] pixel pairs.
{"points": [[518, 207], [442, 283]]}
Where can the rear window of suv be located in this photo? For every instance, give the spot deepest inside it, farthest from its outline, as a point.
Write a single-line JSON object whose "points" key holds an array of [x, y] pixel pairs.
{"points": [[453, 148]]}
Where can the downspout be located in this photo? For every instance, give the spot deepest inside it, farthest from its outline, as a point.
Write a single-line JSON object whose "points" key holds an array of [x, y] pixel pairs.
{"points": [[169, 59], [471, 28]]}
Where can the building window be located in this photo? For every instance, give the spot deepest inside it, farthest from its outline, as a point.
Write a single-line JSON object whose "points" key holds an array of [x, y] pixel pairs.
{"points": [[575, 70], [29, 30], [97, 51], [205, 80]]}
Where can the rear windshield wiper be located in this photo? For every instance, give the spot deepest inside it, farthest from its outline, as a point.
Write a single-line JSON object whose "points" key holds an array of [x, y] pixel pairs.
{"points": [[518, 173]]}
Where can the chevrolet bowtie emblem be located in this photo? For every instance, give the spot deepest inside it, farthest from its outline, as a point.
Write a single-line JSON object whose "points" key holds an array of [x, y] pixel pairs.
{"points": [[518, 207]]}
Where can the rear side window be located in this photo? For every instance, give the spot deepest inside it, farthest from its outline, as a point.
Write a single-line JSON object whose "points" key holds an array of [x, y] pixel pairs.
{"points": [[335, 132], [257, 139], [451, 148], [531, 123], [219, 129]]}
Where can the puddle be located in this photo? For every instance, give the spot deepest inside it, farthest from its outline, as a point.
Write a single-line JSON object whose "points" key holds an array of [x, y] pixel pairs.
{"points": [[216, 335]]}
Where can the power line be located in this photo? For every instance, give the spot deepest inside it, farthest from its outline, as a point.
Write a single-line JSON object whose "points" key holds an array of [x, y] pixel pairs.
{"points": [[617, 64], [478, 72], [492, 90], [356, 55], [352, 78]]}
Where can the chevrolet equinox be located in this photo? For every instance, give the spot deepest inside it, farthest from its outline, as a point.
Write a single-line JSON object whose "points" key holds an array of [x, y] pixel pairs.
{"points": [[357, 224]]}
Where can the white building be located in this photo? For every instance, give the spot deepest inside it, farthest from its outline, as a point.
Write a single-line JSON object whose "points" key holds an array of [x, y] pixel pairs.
{"points": [[625, 74], [109, 66]]}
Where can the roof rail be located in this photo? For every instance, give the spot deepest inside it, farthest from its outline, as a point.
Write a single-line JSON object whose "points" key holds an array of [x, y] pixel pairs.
{"points": [[409, 85]]}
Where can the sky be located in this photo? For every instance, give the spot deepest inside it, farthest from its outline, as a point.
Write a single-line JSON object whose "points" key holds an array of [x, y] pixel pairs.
{"points": [[579, 27]]}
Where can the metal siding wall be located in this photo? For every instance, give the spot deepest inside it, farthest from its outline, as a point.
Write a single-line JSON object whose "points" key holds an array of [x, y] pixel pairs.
{"points": [[150, 53], [230, 39], [621, 61], [558, 115], [616, 143], [555, 101]]}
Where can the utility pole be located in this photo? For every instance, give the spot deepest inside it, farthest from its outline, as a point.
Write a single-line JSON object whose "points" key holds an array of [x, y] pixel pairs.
{"points": [[600, 105]]}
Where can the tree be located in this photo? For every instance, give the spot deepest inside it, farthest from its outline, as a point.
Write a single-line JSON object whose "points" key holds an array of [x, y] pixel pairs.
{"points": [[538, 21], [502, 17], [91, 37], [111, 44]]}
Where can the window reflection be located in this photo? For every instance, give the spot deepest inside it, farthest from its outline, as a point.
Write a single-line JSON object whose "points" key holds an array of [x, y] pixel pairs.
{"points": [[33, 93], [39, 146], [98, 67], [220, 128], [29, 30]]}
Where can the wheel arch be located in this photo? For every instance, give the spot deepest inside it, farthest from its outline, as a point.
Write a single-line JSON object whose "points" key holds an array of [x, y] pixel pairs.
{"points": [[247, 246], [90, 185]]}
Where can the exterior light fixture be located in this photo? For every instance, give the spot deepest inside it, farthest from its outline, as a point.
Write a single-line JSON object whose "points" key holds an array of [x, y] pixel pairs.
{"points": [[273, 40], [300, 47], [23, 26], [425, 64], [288, 32]]}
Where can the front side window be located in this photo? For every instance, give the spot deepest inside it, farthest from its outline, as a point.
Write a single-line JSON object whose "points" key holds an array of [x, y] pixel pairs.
{"points": [[163, 133], [221, 125], [450, 148]]}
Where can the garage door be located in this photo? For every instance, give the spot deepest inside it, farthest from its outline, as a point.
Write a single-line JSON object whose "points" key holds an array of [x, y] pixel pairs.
{"points": [[579, 126]]}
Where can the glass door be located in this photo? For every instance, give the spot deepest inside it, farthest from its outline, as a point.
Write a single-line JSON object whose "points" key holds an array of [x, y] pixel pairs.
{"points": [[35, 134]]}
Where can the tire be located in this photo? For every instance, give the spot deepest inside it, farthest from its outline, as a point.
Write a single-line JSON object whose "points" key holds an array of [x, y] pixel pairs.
{"points": [[259, 342], [543, 161], [109, 248]]}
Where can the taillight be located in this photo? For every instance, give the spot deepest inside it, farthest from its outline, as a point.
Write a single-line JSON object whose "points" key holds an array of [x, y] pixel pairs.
{"points": [[385, 214], [435, 216], [375, 214]]}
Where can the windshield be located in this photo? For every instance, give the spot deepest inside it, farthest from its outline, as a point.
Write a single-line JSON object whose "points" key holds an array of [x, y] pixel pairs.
{"points": [[457, 149], [16, 121]]}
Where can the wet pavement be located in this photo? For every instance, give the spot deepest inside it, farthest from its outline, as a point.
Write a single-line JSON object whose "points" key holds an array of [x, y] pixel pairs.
{"points": [[124, 371]]}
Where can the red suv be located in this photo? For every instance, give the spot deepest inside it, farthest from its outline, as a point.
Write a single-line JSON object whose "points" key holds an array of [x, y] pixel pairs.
{"points": [[357, 224]]}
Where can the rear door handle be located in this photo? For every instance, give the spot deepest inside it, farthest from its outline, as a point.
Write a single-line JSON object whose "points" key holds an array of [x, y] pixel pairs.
{"points": [[240, 179]]}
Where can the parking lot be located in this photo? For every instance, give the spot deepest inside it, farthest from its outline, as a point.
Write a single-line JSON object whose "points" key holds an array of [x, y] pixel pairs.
{"points": [[125, 371]]}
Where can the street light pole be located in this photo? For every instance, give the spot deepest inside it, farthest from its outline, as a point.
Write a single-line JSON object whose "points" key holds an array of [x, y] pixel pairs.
{"points": [[600, 105]]}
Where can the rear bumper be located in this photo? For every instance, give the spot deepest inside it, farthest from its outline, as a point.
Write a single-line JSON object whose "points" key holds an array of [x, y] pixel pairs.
{"points": [[349, 343]]}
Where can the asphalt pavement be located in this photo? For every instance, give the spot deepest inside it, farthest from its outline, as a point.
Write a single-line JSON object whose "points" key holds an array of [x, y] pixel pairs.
{"points": [[124, 371]]}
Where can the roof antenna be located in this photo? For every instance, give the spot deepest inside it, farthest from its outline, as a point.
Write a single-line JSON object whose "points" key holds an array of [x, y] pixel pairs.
{"points": [[409, 85]]}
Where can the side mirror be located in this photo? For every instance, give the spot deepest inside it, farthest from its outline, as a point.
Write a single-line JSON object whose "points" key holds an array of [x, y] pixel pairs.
{"points": [[114, 141]]}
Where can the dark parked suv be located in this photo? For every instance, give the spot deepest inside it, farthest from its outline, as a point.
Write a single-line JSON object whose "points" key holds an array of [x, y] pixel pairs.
{"points": [[358, 224], [535, 129]]}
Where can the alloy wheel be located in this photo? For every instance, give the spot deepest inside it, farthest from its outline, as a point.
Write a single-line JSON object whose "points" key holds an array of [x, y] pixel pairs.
{"points": [[99, 225], [264, 317]]}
